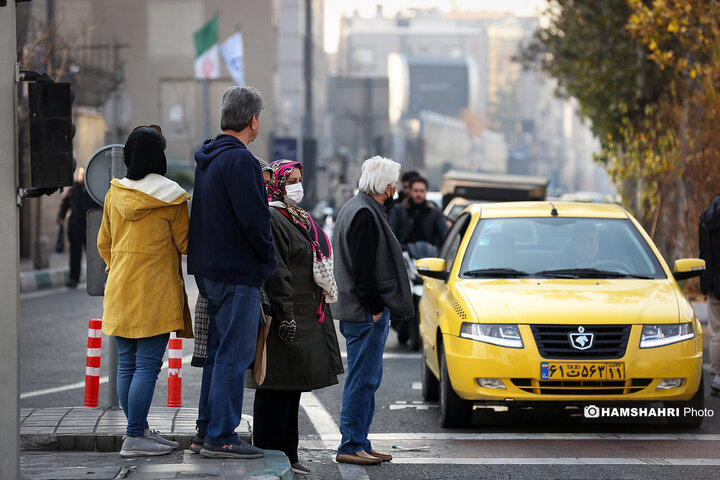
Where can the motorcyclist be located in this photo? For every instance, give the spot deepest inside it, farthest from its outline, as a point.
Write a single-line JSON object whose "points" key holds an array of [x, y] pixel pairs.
{"points": [[420, 228], [417, 219]]}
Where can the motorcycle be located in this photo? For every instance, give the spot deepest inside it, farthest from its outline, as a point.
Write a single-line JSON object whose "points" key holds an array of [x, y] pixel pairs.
{"points": [[408, 328]]}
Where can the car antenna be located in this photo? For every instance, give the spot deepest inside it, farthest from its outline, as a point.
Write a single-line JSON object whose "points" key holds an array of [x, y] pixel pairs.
{"points": [[554, 211]]}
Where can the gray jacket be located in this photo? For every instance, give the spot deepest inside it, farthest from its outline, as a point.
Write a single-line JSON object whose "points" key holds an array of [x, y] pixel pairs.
{"points": [[391, 275]]}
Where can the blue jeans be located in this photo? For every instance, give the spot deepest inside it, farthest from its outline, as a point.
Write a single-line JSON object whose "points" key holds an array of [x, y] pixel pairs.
{"points": [[139, 362], [365, 345], [234, 311]]}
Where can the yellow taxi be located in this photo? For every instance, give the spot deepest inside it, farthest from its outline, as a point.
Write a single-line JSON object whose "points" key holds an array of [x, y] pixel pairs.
{"points": [[556, 302]]}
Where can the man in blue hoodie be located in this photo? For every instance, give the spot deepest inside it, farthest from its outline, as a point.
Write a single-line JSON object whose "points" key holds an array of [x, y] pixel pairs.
{"points": [[231, 254]]}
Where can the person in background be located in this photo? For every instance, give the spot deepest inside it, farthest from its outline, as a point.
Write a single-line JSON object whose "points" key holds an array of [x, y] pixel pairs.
{"points": [[142, 236], [372, 282], [416, 219], [231, 254], [585, 243], [78, 201], [405, 191], [302, 346], [709, 233]]}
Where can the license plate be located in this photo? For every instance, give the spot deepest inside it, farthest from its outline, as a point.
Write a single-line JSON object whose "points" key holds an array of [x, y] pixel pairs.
{"points": [[582, 371]]}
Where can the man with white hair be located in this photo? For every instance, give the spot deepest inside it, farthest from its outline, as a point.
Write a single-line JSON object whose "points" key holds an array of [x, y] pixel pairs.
{"points": [[372, 283]]}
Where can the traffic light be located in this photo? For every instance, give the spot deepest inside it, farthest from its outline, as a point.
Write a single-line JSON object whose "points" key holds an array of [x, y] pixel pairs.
{"points": [[51, 134]]}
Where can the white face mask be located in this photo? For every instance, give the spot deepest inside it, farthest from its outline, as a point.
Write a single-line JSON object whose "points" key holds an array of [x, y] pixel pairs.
{"points": [[293, 194]]}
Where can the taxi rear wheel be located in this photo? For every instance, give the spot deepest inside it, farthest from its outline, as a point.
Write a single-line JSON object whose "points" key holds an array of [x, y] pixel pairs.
{"points": [[697, 402], [430, 384], [454, 411]]}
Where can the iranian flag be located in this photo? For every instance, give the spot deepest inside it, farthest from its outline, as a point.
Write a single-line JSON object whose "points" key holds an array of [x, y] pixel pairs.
{"points": [[207, 62]]}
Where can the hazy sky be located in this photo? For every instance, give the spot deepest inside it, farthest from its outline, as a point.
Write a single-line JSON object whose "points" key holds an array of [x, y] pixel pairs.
{"points": [[335, 8]]}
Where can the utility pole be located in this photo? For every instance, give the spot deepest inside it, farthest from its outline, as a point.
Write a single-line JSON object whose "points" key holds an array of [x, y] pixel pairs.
{"points": [[9, 276], [309, 146]]}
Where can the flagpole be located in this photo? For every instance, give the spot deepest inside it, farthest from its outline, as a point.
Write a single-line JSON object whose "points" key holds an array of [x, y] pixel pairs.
{"points": [[205, 109]]}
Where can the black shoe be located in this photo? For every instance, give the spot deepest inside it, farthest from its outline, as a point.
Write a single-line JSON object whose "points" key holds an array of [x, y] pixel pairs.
{"points": [[238, 449], [197, 442], [71, 283]]}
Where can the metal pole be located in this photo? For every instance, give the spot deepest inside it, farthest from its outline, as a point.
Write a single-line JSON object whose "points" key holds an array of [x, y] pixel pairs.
{"points": [[117, 157], [205, 109], [9, 262]]}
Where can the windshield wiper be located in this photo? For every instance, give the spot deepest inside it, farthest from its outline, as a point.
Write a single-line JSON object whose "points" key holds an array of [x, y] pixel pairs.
{"points": [[588, 273], [496, 272]]}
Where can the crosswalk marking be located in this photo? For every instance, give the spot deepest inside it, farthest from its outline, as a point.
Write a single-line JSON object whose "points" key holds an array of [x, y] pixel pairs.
{"points": [[557, 461]]}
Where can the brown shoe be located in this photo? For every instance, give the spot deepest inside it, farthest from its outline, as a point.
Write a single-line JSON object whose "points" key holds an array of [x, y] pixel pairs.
{"points": [[357, 458], [382, 456]]}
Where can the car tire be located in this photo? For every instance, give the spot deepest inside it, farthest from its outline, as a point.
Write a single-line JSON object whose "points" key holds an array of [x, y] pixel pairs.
{"points": [[697, 402], [414, 327], [454, 411], [430, 384]]}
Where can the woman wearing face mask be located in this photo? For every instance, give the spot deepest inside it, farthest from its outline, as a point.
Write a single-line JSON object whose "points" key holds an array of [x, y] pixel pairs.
{"points": [[302, 346]]}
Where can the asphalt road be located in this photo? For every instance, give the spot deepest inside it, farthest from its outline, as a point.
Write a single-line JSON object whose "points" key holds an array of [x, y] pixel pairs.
{"points": [[532, 443]]}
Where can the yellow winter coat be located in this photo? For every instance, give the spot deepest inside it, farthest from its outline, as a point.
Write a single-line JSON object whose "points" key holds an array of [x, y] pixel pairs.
{"points": [[143, 234]]}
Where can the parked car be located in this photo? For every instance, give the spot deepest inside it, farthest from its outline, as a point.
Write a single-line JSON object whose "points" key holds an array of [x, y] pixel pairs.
{"points": [[533, 302]]}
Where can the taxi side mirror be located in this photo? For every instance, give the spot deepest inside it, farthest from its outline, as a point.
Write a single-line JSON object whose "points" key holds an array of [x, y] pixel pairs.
{"points": [[685, 268], [432, 267]]}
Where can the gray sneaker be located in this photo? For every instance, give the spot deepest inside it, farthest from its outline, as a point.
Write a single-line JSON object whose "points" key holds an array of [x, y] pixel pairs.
{"points": [[715, 385], [141, 447], [154, 435], [238, 449]]}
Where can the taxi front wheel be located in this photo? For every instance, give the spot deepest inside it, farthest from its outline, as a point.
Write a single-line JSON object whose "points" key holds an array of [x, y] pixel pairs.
{"points": [[454, 411]]}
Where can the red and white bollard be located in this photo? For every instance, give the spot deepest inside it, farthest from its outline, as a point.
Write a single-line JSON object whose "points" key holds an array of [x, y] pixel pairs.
{"points": [[174, 371], [92, 365]]}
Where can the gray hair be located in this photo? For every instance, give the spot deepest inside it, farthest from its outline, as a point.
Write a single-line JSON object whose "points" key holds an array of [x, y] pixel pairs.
{"points": [[377, 173], [239, 104]]}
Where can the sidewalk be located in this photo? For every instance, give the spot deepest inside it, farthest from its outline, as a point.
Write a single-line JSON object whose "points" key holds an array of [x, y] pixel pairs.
{"points": [[54, 276], [80, 442]]}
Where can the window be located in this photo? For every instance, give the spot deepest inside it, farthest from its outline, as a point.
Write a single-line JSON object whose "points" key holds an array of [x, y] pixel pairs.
{"points": [[450, 246], [571, 246]]}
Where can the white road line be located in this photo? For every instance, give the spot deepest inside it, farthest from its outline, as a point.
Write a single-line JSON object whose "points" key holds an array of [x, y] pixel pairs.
{"points": [[399, 436], [328, 430], [73, 386], [557, 461], [391, 355]]}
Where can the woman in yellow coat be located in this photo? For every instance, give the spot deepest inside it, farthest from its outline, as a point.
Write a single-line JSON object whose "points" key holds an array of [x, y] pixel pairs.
{"points": [[142, 237]]}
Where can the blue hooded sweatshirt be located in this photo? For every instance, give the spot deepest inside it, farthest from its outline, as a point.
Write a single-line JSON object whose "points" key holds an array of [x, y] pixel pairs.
{"points": [[230, 239]]}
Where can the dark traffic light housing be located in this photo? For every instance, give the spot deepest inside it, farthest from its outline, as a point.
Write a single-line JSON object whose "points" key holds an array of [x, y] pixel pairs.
{"points": [[51, 134]]}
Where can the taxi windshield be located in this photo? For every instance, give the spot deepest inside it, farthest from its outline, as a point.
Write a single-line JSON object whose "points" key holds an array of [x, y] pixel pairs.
{"points": [[559, 248]]}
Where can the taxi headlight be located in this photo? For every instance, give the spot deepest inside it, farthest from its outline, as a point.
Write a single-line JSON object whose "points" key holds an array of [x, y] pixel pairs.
{"points": [[502, 335], [665, 334]]}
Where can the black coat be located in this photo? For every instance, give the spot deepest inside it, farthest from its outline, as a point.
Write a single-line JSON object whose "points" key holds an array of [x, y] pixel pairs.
{"points": [[432, 223], [312, 360], [709, 237], [78, 201]]}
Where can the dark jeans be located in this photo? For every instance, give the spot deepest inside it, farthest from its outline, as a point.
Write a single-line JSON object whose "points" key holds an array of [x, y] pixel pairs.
{"points": [[275, 421], [77, 244], [232, 333], [139, 362], [365, 345]]}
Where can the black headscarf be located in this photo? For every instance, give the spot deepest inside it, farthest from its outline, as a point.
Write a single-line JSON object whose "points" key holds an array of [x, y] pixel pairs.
{"points": [[144, 153]]}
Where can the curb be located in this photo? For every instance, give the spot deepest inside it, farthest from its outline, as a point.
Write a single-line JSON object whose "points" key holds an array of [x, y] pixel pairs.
{"points": [[42, 279], [102, 429]]}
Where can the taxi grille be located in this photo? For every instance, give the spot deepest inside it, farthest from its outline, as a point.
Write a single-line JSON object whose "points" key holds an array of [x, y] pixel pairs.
{"points": [[553, 341], [581, 387]]}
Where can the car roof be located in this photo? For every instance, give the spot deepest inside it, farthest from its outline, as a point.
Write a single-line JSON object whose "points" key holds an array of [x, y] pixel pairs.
{"points": [[544, 209]]}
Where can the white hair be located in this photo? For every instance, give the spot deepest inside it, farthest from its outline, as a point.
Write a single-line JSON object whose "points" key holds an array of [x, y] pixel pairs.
{"points": [[377, 173]]}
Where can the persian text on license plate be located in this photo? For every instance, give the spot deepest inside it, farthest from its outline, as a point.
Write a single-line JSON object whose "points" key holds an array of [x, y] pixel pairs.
{"points": [[582, 371]]}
